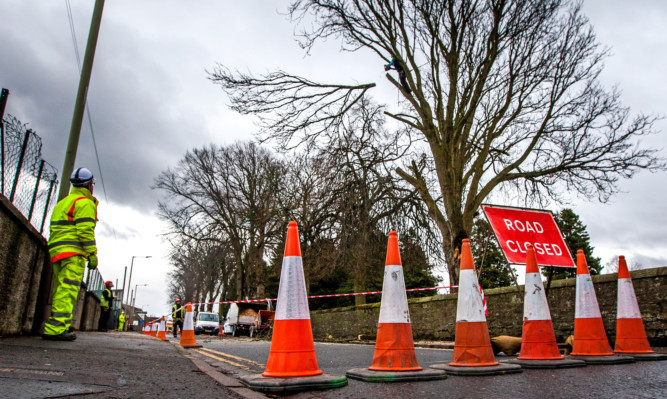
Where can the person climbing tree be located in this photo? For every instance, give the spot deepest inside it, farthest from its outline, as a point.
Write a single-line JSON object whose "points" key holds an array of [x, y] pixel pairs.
{"points": [[402, 77]]}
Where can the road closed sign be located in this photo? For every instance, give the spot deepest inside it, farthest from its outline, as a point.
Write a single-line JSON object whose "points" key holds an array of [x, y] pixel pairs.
{"points": [[515, 228]]}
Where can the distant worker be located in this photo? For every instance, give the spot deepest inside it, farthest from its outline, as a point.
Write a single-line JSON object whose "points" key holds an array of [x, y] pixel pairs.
{"points": [[71, 242], [402, 77], [177, 313], [121, 321], [106, 304]]}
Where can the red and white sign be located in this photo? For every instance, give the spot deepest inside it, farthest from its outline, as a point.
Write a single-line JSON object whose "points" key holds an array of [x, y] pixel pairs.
{"points": [[516, 227]]}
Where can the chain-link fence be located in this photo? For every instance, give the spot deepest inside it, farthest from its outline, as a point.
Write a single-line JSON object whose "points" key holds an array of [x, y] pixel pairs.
{"points": [[27, 180]]}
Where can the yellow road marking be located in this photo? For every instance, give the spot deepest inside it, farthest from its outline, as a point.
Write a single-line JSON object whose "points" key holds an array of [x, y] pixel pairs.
{"points": [[222, 360], [233, 357]]}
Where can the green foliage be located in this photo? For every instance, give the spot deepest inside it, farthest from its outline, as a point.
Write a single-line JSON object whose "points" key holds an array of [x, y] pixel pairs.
{"points": [[488, 256], [576, 238]]}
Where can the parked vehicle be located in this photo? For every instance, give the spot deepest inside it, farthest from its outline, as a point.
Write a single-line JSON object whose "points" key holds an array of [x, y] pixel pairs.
{"points": [[242, 317], [207, 323]]}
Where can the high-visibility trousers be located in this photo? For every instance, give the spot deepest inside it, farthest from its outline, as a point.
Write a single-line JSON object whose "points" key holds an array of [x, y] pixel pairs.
{"points": [[67, 277]]}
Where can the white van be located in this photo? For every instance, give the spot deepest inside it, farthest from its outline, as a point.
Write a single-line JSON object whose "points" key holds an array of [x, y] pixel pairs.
{"points": [[207, 323]]}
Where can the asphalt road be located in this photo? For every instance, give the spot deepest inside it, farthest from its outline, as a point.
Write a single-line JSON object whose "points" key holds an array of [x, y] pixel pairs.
{"points": [[240, 356]]}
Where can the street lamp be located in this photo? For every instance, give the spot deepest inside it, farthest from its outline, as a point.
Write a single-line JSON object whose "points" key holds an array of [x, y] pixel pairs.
{"points": [[129, 281], [134, 298]]}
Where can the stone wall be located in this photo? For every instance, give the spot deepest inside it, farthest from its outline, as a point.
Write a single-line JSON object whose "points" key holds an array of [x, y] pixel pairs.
{"points": [[434, 318], [26, 277], [23, 259]]}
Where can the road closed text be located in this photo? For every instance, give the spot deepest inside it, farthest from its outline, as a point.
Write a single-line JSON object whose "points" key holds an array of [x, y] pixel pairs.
{"points": [[541, 248]]}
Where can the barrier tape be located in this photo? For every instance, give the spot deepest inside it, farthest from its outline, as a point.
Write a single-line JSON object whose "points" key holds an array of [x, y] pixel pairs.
{"points": [[311, 297]]}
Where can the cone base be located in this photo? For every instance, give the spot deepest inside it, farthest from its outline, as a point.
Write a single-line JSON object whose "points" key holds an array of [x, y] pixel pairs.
{"points": [[547, 364], [292, 351], [259, 383], [631, 337], [394, 348], [595, 360], [646, 356], [472, 346], [590, 338], [499, 369], [368, 375]]}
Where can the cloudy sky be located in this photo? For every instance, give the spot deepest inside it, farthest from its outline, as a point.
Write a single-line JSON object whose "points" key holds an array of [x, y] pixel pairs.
{"points": [[150, 101]]}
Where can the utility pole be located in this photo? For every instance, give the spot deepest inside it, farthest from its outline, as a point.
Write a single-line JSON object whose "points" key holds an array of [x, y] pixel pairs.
{"points": [[79, 106]]}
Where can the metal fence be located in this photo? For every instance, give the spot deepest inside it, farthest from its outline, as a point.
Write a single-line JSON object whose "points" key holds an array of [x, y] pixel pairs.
{"points": [[28, 181]]}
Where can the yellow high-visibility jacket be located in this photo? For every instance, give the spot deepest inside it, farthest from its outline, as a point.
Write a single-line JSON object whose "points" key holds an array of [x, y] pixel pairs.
{"points": [[73, 221]]}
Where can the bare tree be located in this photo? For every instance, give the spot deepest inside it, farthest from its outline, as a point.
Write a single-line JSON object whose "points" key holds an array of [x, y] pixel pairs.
{"points": [[505, 94], [228, 195]]}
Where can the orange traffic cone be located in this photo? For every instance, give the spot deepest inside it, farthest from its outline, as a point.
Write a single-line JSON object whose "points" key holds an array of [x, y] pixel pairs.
{"points": [[146, 329], [154, 329], [188, 333], [292, 348], [473, 354], [630, 333], [590, 339], [162, 330], [292, 351], [221, 333], [394, 359], [538, 344], [394, 346]]}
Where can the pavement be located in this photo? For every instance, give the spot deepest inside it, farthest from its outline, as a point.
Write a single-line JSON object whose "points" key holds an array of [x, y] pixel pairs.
{"points": [[133, 365], [109, 365]]}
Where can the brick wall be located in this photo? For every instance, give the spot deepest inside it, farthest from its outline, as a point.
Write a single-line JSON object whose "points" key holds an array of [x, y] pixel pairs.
{"points": [[434, 318]]}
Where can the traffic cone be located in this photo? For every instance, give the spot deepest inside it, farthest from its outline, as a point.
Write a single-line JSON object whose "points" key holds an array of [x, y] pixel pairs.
{"points": [[394, 359], [154, 329], [188, 333], [292, 351], [590, 339], [630, 333], [473, 354], [538, 341], [221, 333], [162, 330], [145, 330]]}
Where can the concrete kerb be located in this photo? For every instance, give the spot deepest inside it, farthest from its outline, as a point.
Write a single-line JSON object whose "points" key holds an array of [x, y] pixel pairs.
{"points": [[258, 382], [500, 369], [603, 360], [367, 375]]}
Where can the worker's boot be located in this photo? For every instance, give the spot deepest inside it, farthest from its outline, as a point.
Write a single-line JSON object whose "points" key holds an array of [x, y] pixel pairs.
{"points": [[64, 336]]}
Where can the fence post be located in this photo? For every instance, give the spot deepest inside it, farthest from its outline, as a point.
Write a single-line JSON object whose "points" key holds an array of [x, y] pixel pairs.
{"points": [[34, 194], [3, 103], [46, 207], [20, 163]]}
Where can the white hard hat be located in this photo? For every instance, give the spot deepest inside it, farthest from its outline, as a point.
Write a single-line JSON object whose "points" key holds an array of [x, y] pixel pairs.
{"points": [[82, 177]]}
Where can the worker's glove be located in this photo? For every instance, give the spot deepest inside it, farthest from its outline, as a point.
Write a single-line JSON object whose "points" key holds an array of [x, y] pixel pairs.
{"points": [[92, 262]]}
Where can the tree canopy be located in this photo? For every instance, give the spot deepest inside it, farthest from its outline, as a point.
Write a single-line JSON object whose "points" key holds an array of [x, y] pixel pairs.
{"points": [[504, 97]]}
